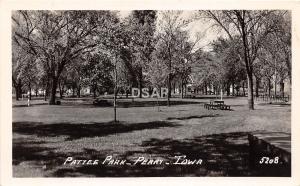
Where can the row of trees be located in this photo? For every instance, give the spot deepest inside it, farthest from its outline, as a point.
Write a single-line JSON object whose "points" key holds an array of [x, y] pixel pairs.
{"points": [[75, 49], [258, 44]]}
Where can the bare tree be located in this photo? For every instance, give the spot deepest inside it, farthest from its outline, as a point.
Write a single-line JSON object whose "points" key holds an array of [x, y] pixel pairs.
{"points": [[251, 27], [59, 37]]}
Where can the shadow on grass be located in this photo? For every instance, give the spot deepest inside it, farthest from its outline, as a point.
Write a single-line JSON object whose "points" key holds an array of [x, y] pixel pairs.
{"points": [[212, 97], [120, 103], [144, 103], [31, 104], [224, 154], [24, 150], [76, 131], [274, 104], [193, 117], [43, 158]]}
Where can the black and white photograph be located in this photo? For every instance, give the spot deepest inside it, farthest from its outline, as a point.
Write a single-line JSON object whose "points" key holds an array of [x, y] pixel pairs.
{"points": [[151, 93], [148, 93]]}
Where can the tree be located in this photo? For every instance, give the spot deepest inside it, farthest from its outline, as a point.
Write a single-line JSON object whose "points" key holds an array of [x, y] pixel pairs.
{"points": [[230, 68], [59, 37], [28, 73], [157, 72], [251, 27], [17, 57], [281, 48], [170, 36], [25, 70], [138, 38], [203, 69], [183, 58], [97, 72], [282, 38], [272, 64], [76, 75]]}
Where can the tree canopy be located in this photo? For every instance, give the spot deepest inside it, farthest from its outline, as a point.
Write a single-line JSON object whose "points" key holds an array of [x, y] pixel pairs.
{"points": [[149, 48]]}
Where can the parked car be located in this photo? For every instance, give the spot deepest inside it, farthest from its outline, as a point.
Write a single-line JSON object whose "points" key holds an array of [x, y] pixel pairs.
{"points": [[101, 103]]}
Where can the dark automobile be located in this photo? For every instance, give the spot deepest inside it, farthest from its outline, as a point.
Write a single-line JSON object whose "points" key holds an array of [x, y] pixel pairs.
{"points": [[101, 103]]}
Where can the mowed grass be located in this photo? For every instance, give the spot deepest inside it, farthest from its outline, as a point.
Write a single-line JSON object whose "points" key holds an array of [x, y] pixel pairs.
{"points": [[44, 136]]}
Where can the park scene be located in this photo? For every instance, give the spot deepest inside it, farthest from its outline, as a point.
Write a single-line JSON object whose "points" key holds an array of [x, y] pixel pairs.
{"points": [[151, 93]]}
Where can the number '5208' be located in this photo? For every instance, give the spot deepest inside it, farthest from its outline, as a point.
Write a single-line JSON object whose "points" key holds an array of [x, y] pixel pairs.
{"points": [[267, 160]]}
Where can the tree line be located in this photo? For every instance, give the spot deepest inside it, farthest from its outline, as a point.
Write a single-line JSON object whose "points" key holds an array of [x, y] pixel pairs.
{"points": [[148, 49]]}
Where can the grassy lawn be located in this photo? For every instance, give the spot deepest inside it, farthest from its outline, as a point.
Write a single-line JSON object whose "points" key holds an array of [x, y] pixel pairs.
{"points": [[44, 136]]}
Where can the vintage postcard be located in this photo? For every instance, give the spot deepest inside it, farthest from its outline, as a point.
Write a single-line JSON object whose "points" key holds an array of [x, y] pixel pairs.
{"points": [[184, 93]]}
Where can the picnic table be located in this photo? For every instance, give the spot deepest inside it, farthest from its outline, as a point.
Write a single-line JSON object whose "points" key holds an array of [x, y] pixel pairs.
{"points": [[219, 102], [216, 104]]}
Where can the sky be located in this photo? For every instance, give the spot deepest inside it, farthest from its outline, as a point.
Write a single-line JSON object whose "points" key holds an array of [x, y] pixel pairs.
{"points": [[195, 27]]}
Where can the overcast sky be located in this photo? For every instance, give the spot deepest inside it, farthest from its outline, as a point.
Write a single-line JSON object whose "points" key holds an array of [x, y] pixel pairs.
{"points": [[204, 28]]}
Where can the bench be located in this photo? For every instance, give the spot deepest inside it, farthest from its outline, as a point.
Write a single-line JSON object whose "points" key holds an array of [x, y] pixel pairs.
{"points": [[225, 107], [216, 104], [210, 106]]}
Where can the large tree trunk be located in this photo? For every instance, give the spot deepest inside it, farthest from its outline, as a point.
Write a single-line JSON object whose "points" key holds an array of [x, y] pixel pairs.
{"points": [[140, 82], [244, 92], [46, 90], [169, 89], [288, 64], [127, 92], [54, 81], [248, 62], [17, 92], [269, 87], [78, 91], [250, 92], [275, 88], [289, 74], [29, 88], [233, 93], [73, 91], [257, 87], [174, 87], [94, 90], [61, 89], [182, 84], [18, 88], [169, 76], [36, 92], [115, 92], [228, 89], [282, 88]]}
